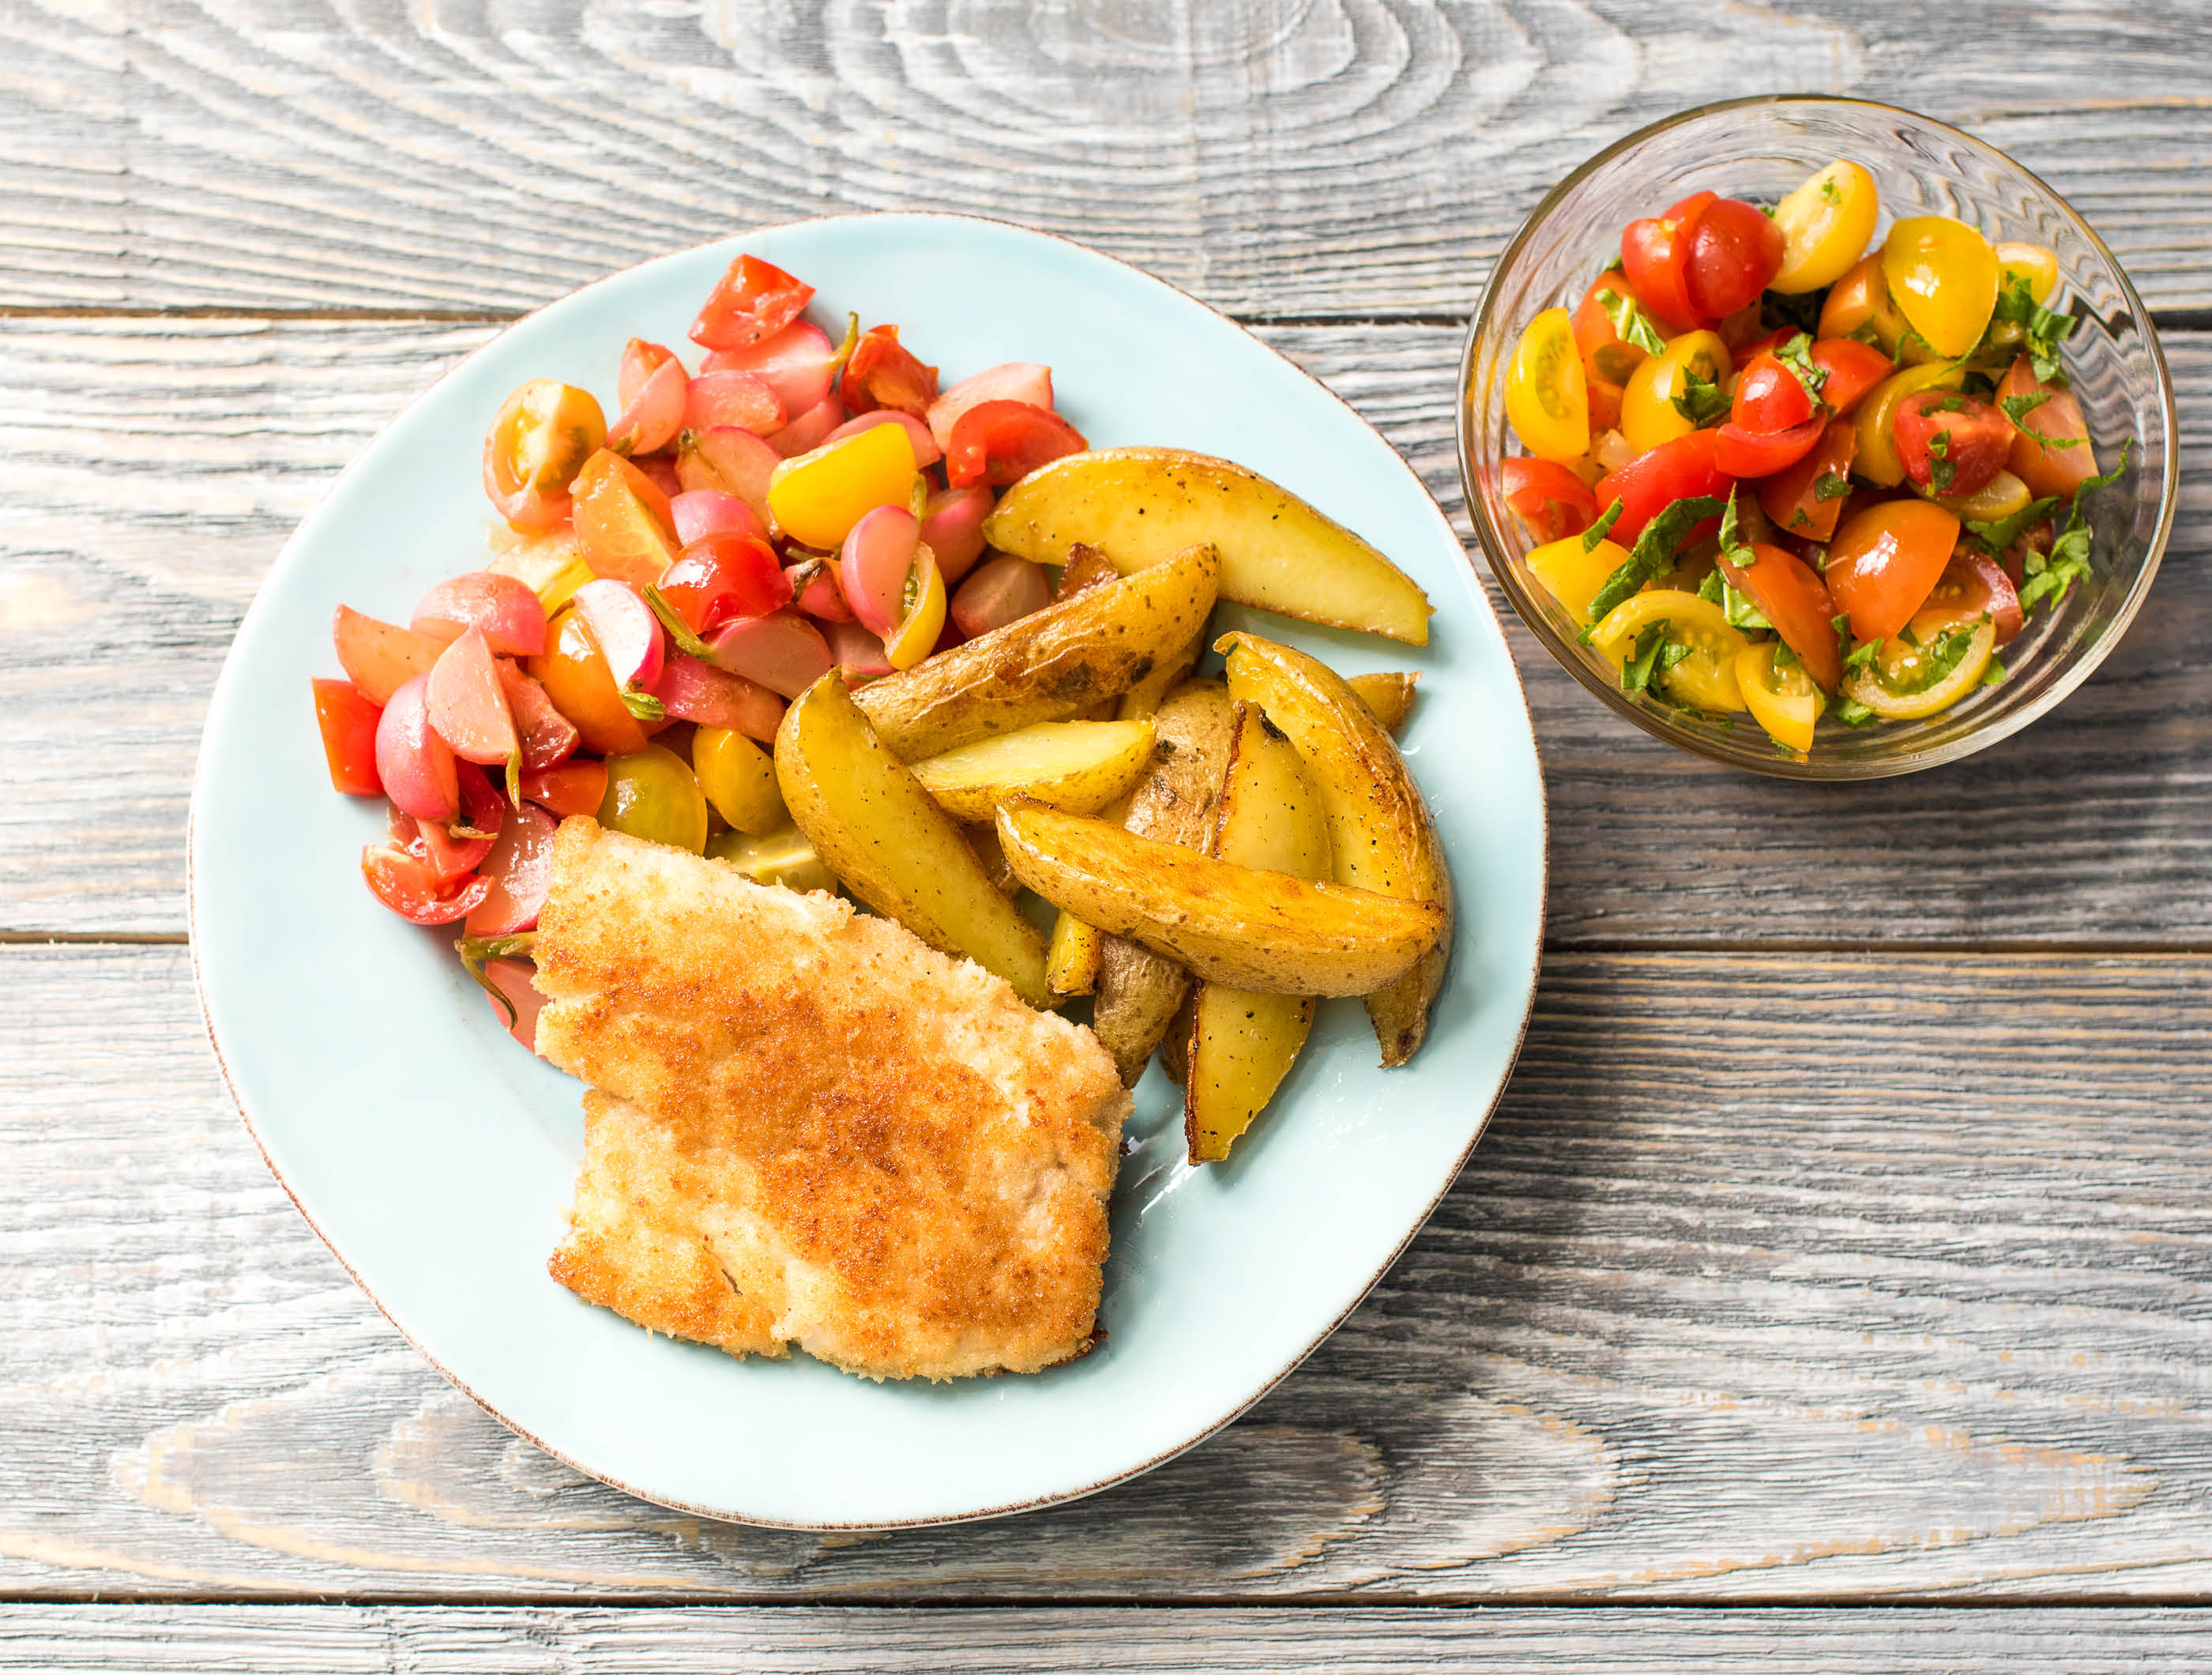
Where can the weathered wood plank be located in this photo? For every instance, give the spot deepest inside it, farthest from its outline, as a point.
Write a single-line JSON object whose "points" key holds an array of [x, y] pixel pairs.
{"points": [[1777, 1278], [1278, 157], [152, 469], [340, 1640]]}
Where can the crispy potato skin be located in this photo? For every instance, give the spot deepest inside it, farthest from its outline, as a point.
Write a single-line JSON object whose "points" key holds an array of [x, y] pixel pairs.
{"points": [[1073, 655], [1379, 825], [1139, 504], [892, 845], [1249, 929], [1138, 990]]}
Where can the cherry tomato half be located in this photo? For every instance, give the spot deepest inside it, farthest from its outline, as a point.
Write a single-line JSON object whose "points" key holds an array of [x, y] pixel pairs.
{"points": [[1650, 482], [1604, 354], [1551, 501], [1886, 560], [885, 373], [1547, 392], [1796, 601], [752, 301], [1974, 585], [1943, 276], [406, 884], [1770, 396], [722, 578], [1949, 443], [1654, 254], [1649, 416], [542, 435], [1853, 369], [1824, 226], [1749, 453], [2051, 450], [1736, 249], [1000, 442], [1806, 499], [348, 721]]}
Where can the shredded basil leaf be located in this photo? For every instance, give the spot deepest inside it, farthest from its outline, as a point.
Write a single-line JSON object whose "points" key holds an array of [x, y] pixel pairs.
{"points": [[1714, 588], [1598, 531], [1636, 674], [1739, 609], [2018, 407], [1630, 323], [1831, 485], [1703, 402], [1797, 355], [1653, 555], [1851, 712], [1734, 547], [1862, 654], [2068, 560]]}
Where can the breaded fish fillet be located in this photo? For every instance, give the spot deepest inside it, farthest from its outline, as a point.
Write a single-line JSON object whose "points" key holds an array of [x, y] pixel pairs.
{"points": [[810, 1127]]}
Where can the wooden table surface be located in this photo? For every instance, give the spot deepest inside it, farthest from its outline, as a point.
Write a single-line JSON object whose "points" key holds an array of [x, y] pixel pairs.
{"points": [[1844, 1239]]}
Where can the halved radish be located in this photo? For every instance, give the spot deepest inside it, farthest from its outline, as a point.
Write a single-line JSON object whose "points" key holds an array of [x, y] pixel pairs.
{"points": [[876, 565], [810, 430], [512, 619], [735, 462], [623, 626], [926, 453], [575, 787], [651, 419], [732, 397], [694, 691], [1005, 590], [640, 361], [818, 589], [415, 765], [468, 704], [380, 657], [952, 526], [519, 869], [1016, 381], [784, 652], [548, 736], [859, 653], [701, 511], [798, 363]]}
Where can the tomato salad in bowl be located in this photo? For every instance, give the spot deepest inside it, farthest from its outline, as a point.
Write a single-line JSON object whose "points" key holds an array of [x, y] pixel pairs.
{"points": [[1777, 465]]}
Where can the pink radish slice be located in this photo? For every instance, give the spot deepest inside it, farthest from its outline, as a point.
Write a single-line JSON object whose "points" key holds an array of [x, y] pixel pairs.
{"points": [[700, 692], [825, 595], [380, 657], [513, 620], [807, 432], [783, 652], [859, 653], [623, 626], [1003, 591], [796, 363], [640, 361], [952, 526], [659, 470], [512, 978], [875, 563], [1016, 381], [926, 453], [649, 422], [742, 460], [701, 511], [732, 397], [520, 869], [415, 765], [468, 705], [549, 738]]}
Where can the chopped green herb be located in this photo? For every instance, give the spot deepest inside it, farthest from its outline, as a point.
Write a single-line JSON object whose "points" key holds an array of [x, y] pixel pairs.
{"points": [[1703, 402], [1830, 192], [1653, 555], [1946, 404], [1862, 654], [1785, 658], [1798, 519], [2018, 407], [1598, 531], [1942, 469], [2004, 532], [1841, 621], [2044, 328], [1832, 485], [2068, 561], [1851, 712], [1636, 674], [1994, 675], [1797, 355], [1939, 660], [1630, 323], [1714, 588], [1734, 547], [1739, 609]]}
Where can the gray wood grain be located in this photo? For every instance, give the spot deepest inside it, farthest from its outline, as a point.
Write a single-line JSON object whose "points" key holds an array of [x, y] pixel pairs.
{"points": [[152, 469], [1280, 157], [373, 1640], [1777, 1278]]}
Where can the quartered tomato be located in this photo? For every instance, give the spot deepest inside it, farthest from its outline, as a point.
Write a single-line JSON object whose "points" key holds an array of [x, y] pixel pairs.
{"points": [[407, 884], [1806, 499], [2049, 450], [1550, 499], [1000, 442], [623, 520], [1746, 453], [818, 496], [1853, 369], [1649, 416], [1546, 398], [1886, 560], [349, 722], [1925, 669], [1949, 443], [573, 787], [1734, 251], [1784, 701], [1943, 276], [1791, 597], [1770, 396], [1654, 254], [576, 678], [1825, 225], [752, 301], [1652, 481]]}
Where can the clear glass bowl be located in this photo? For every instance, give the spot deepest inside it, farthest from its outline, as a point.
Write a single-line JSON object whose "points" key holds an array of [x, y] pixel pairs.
{"points": [[1758, 148]]}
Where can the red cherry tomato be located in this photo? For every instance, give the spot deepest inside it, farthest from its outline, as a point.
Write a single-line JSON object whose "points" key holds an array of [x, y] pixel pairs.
{"points": [[754, 300], [1000, 442], [1792, 497], [1796, 601], [1551, 501], [722, 578], [1853, 369], [348, 721], [885, 373], [1770, 396], [406, 884], [1886, 560], [1654, 254], [1746, 453], [1606, 357], [1657, 478], [1736, 249], [1972, 586], [2051, 448], [1949, 443]]}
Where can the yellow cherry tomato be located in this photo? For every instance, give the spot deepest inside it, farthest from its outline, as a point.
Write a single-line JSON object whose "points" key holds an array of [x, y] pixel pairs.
{"points": [[1574, 577], [915, 637], [1705, 679], [1995, 501], [1876, 459], [1784, 702], [1904, 683], [1943, 276], [1825, 224], [738, 778], [652, 795], [818, 498], [1546, 395], [1648, 414], [784, 857], [2030, 262]]}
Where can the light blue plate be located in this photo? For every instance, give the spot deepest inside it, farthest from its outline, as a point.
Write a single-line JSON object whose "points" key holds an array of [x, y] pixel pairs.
{"points": [[436, 1158]]}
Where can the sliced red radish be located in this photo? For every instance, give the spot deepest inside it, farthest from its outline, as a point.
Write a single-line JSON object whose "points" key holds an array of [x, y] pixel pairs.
{"points": [[514, 979], [696, 691], [876, 565], [720, 578], [548, 736], [651, 419], [415, 765], [623, 626], [512, 619], [1017, 381], [952, 528], [380, 657], [784, 652], [573, 787], [816, 590], [926, 453], [733, 460], [640, 361], [735, 399], [798, 363], [404, 883], [519, 870], [810, 430], [860, 655], [701, 511], [468, 704], [1002, 591]]}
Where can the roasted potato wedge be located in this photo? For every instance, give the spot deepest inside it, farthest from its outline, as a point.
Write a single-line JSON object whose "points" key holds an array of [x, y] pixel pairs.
{"points": [[1080, 766], [1389, 695], [1071, 958], [890, 845], [1225, 923], [1138, 990], [1083, 569], [1142, 504], [1380, 829], [1240, 1044], [1052, 664]]}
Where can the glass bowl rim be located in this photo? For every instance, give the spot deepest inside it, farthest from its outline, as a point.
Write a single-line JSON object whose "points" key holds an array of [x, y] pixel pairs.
{"points": [[1813, 768]]}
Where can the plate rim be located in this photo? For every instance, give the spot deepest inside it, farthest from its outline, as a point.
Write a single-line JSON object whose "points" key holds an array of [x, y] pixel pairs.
{"points": [[1474, 582]]}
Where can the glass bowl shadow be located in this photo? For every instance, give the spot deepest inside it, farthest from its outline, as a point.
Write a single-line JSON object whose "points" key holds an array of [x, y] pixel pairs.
{"points": [[1758, 148]]}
